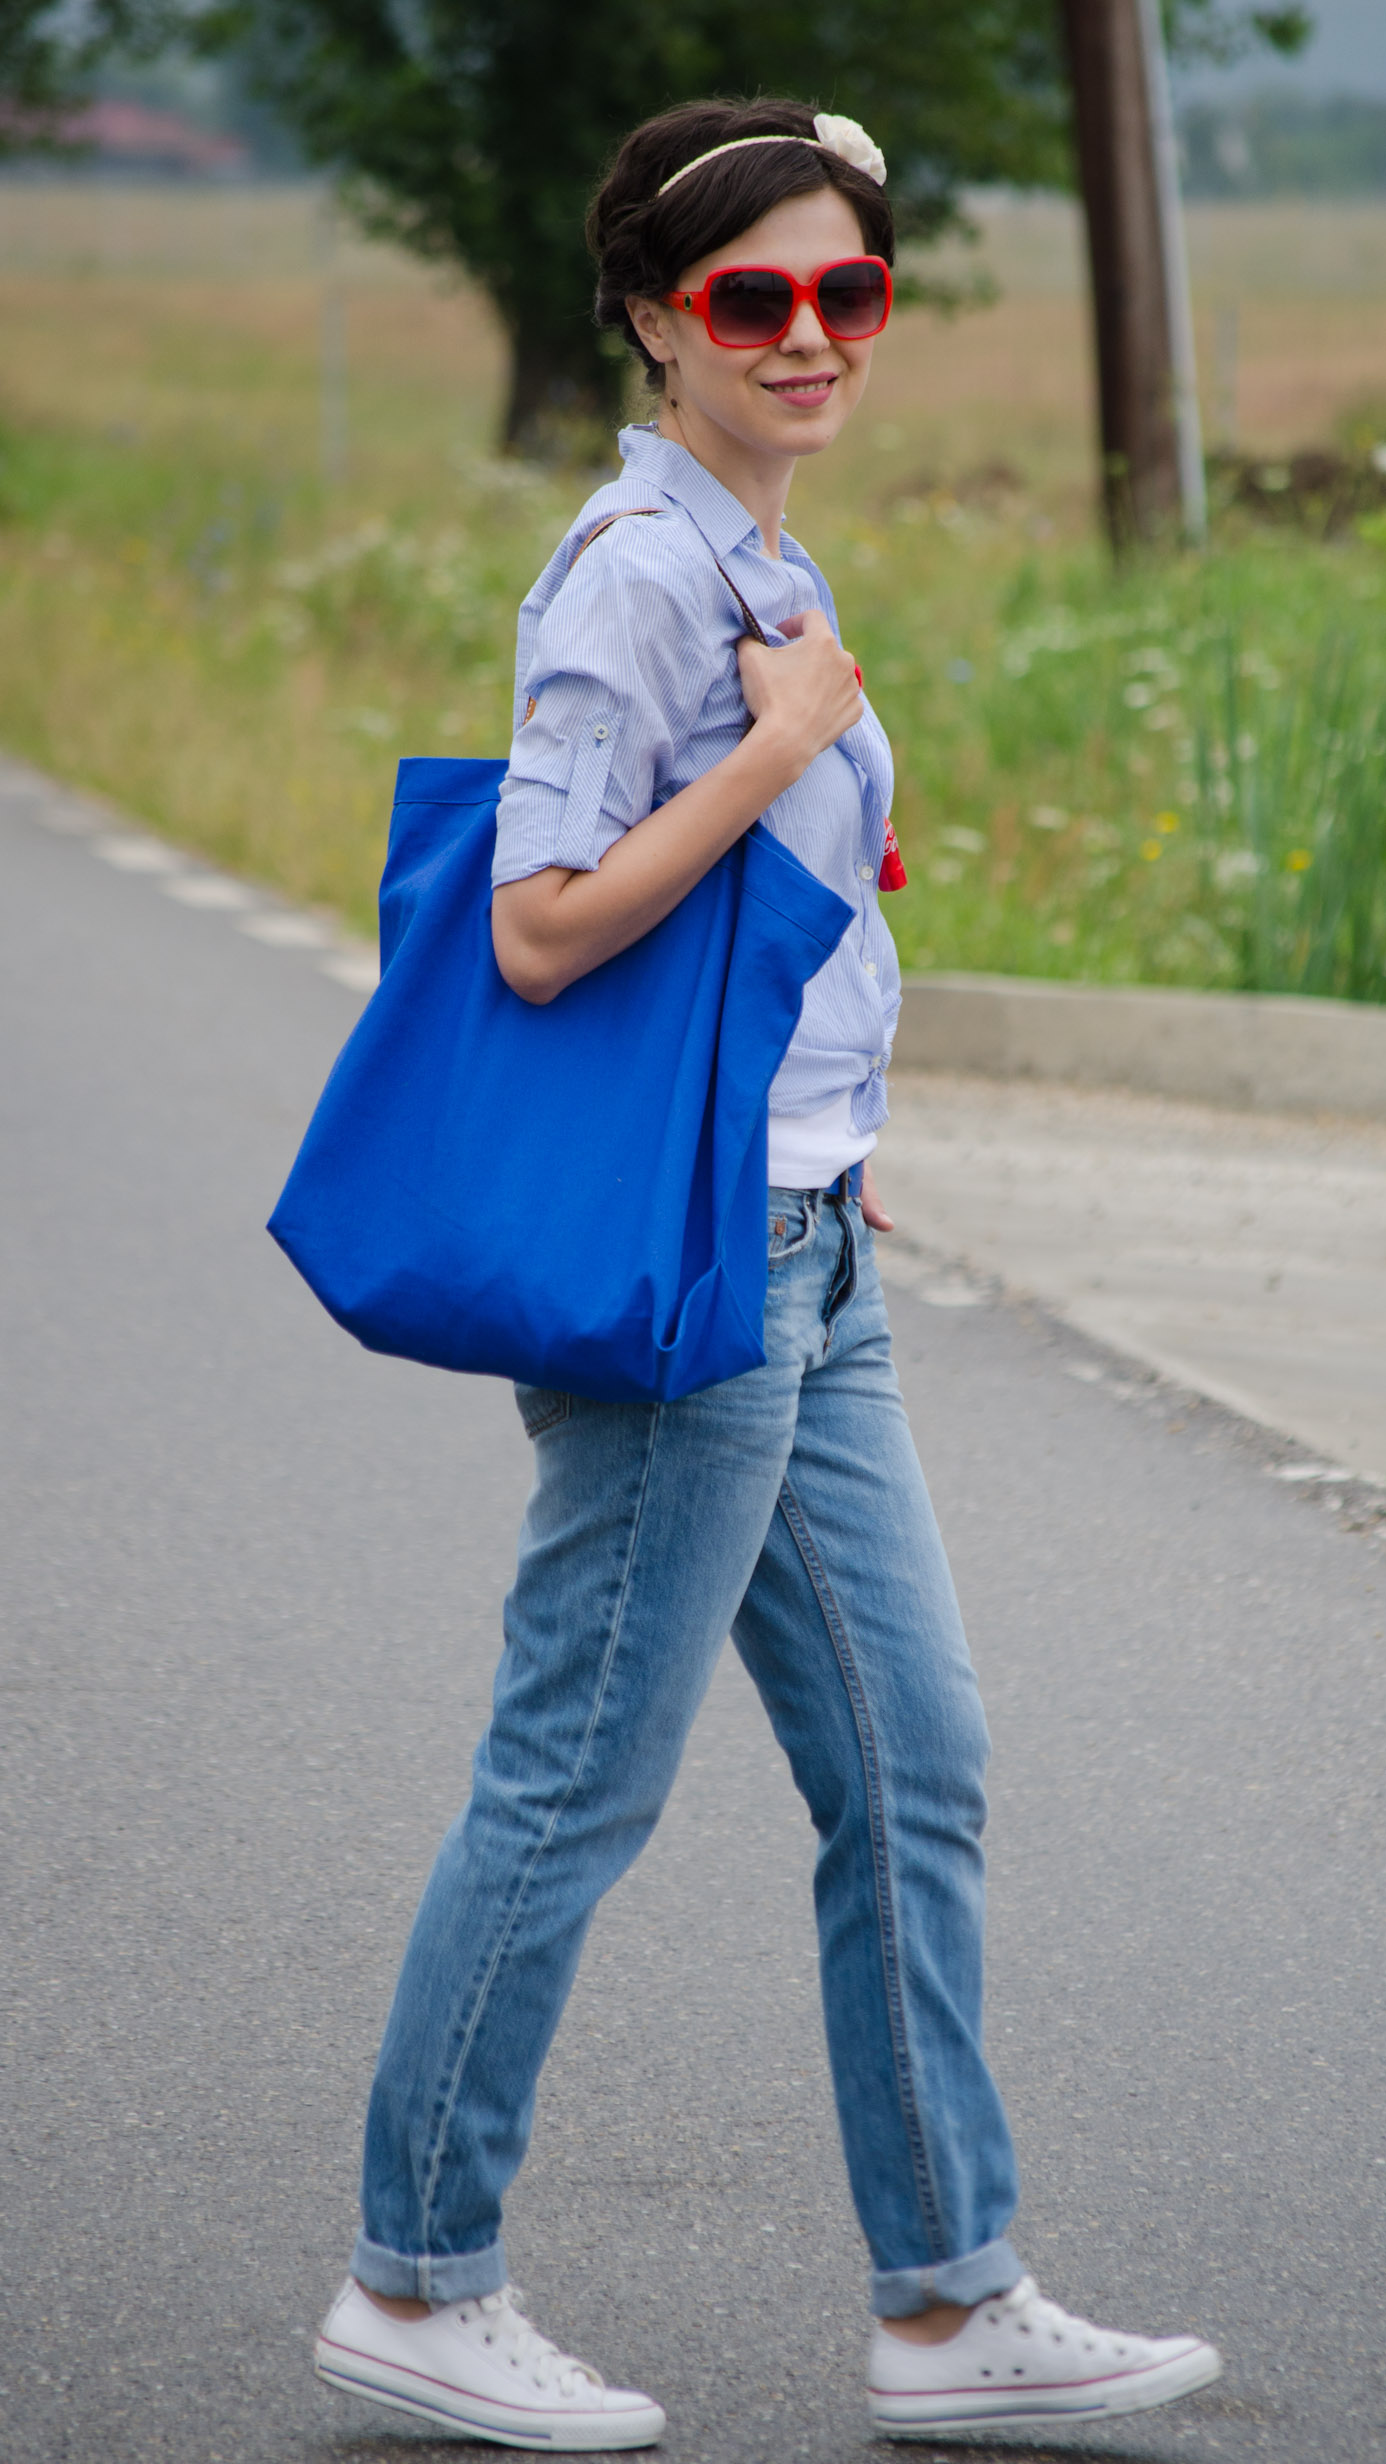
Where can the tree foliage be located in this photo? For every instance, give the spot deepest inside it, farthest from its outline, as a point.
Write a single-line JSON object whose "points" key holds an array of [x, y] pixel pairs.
{"points": [[474, 130]]}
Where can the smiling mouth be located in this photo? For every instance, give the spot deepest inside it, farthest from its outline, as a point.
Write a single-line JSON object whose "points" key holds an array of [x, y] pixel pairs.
{"points": [[798, 388]]}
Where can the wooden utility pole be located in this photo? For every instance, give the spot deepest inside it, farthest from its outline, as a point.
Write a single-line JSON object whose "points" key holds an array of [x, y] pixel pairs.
{"points": [[1151, 454]]}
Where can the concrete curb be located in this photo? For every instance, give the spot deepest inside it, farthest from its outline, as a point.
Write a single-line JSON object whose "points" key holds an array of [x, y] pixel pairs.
{"points": [[1253, 1051], [1259, 1052]]}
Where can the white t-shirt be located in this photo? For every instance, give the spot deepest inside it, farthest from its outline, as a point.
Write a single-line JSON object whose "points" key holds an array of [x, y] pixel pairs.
{"points": [[810, 1153]]}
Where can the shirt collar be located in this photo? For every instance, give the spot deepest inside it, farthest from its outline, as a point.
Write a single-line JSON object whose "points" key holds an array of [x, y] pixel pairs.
{"points": [[720, 516]]}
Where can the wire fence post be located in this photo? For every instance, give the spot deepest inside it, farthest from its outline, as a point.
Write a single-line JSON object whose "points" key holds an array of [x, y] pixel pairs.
{"points": [[1225, 356], [332, 355]]}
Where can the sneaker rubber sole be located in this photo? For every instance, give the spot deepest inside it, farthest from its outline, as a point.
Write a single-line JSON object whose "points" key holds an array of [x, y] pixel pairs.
{"points": [[937, 2416], [408, 2391]]}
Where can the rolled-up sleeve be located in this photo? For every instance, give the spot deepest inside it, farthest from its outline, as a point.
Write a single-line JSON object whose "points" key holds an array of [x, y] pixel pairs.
{"points": [[623, 657]]}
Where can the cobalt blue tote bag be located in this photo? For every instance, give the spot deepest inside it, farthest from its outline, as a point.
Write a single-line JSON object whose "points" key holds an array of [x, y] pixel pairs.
{"points": [[572, 1195]]}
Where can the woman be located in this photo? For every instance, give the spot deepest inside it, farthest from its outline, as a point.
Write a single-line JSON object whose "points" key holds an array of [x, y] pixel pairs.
{"points": [[743, 253]]}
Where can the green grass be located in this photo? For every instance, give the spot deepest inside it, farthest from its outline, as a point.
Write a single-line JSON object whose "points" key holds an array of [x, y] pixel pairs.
{"points": [[1177, 775], [218, 657], [1173, 775]]}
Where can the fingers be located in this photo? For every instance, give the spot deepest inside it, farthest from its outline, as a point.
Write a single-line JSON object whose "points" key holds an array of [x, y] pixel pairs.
{"points": [[810, 683], [819, 648], [752, 658], [811, 626], [872, 1210]]}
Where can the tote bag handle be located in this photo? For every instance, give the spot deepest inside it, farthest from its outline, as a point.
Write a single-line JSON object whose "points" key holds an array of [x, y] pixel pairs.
{"points": [[893, 875], [626, 512], [648, 1282], [753, 624]]}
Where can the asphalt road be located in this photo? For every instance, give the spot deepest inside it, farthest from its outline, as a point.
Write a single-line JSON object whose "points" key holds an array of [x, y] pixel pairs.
{"points": [[251, 1581]]}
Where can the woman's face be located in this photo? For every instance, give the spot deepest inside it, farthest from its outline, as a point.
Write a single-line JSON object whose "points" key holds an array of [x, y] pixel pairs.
{"points": [[793, 396]]}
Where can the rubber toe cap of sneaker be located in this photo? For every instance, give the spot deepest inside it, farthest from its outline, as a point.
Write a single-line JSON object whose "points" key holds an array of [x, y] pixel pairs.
{"points": [[625, 2401]]}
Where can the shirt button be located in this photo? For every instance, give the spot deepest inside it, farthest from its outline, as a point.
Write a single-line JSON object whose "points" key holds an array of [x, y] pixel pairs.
{"points": [[865, 871], [601, 733], [871, 966]]}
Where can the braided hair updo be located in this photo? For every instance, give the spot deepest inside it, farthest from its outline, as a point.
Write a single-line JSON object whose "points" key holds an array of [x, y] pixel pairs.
{"points": [[643, 242]]}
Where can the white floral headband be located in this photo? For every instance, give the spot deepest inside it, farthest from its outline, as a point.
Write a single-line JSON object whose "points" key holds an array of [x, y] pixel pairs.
{"points": [[833, 135]]}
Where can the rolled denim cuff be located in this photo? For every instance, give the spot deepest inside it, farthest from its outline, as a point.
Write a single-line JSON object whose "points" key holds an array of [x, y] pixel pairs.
{"points": [[898, 2292], [446, 2276]]}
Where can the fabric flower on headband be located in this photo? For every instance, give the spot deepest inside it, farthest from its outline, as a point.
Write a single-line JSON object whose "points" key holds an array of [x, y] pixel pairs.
{"points": [[849, 139]]}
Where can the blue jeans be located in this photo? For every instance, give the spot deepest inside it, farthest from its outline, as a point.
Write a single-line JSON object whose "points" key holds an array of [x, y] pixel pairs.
{"points": [[789, 1507]]}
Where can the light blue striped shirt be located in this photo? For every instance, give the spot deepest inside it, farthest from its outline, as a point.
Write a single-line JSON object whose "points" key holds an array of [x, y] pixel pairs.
{"points": [[629, 656]]}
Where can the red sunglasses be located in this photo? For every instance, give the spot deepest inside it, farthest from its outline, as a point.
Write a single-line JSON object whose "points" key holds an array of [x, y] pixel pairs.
{"points": [[746, 307]]}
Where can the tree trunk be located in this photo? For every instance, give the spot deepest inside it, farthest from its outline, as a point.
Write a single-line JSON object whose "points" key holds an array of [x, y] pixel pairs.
{"points": [[1131, 309], [566, 393]]}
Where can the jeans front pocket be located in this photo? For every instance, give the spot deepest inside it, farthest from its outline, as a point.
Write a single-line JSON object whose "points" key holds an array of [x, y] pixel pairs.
{"points": [[542, 1408], [793, 1222]]}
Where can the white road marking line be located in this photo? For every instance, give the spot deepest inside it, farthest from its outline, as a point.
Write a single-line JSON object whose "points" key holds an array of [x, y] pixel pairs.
{"points": [[286, 932], [359, 970], [138, 855], [210, 890], [179, 875], [1310, 1471]]}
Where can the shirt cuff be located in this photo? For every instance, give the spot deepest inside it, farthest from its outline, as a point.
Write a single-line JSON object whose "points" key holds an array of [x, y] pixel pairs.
{"points": [[539, 823]]}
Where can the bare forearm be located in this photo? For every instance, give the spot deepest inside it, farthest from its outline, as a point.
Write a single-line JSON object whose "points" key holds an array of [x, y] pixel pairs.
{"points": [[559, 925]]}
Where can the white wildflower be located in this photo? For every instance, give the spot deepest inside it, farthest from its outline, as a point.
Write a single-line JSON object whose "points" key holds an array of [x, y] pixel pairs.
{"points": [[1235, 864]]}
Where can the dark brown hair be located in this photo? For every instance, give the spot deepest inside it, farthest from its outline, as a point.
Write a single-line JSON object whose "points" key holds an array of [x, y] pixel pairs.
{"points": [[643, 242]]}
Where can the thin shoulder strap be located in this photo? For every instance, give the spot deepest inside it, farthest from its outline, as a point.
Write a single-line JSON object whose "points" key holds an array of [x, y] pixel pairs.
{"points": [[752, 622], [618, 516], [594, 533]]}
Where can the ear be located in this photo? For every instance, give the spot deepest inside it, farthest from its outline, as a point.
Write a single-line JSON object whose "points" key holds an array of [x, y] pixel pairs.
{"points": [[655, 327]]}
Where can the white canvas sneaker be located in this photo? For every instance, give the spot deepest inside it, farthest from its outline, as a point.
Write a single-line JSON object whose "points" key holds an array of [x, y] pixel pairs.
{"points": [[1022, 2360], [479, 2369]]}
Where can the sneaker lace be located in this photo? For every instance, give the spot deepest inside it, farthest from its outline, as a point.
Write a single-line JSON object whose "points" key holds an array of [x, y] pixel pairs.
{"points": [[1026, 2309], [530, 2351]]}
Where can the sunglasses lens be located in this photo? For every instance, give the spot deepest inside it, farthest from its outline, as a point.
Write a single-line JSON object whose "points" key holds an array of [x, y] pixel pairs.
{"points": [[852, 299], [750, 305]]}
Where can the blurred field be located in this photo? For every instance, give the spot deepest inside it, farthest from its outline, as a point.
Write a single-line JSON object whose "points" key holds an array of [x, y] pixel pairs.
{"points": [[196, 619]]}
